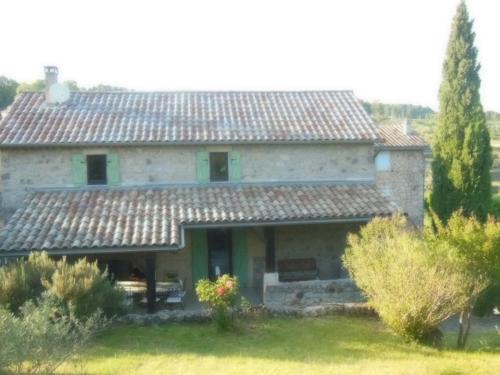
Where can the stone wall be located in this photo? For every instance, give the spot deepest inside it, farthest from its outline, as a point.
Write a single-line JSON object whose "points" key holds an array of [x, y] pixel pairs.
{"points": [[311, 293], [42, 167], [323, 242], [404, 182]]}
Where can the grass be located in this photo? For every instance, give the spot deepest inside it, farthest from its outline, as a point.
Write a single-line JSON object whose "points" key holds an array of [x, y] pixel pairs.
{"points": [[341, 345]]}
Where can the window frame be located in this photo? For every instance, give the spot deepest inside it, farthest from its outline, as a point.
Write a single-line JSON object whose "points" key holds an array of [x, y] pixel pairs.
{"points": [[211, 172], [383, 161], [104, 159]]}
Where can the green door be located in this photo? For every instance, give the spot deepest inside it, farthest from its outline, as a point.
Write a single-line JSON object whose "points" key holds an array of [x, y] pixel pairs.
{"points": [[200, 255], [240, 256]]}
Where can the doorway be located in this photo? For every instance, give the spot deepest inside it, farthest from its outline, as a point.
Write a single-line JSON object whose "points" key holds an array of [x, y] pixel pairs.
{"points": [[219, 252]]}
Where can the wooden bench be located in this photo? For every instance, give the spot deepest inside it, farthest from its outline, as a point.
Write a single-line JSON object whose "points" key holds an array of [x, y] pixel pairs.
{"points": [[297, 269]]}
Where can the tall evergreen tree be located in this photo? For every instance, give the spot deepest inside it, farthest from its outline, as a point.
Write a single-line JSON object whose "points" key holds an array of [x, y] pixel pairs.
{"points": [[462, 150]]}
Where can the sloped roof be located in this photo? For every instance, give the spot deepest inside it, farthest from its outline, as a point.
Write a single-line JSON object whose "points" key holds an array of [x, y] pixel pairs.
{"points": [[393, 136], [186, 117], [141, 217]]}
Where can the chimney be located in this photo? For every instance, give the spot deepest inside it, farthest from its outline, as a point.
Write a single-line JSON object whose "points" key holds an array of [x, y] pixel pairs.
{"points": [[51, 73], [407, 129]]}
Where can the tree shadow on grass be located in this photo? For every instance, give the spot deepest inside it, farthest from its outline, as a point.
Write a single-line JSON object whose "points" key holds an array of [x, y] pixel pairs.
{"points": [[336, 339]]}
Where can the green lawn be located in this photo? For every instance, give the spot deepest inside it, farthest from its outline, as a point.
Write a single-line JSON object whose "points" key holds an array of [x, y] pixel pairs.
{"points": [[339, 345]]}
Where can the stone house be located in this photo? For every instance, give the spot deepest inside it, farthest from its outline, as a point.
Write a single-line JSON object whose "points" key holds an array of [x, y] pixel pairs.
{"points": [[195, 184]]}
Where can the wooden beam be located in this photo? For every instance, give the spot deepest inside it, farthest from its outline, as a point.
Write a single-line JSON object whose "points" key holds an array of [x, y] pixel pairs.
{"points": [[270, 249], [151, 282]]}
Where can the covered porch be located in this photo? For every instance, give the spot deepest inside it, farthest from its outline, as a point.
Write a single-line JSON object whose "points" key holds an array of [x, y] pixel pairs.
{"points": [[181, 234], [283, 253]]}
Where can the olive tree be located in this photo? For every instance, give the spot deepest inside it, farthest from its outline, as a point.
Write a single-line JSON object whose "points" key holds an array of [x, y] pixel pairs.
{"points": [[412, 288], [476, 248]]}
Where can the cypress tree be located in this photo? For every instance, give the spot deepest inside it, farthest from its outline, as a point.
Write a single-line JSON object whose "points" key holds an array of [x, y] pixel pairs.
{"points": [[461, 147]]}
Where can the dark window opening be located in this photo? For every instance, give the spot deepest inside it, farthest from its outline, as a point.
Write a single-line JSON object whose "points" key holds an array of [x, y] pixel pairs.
{"points": [[96, 170], [219, 170], [219, 252]]}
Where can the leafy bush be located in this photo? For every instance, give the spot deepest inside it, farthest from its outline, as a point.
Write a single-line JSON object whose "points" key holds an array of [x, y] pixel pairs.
{"points": [[222, 297], [476, 246], [411, 287], [22, 281], [81, 287], [488, 301], [84, 289], [495, 206], [41, 338]]}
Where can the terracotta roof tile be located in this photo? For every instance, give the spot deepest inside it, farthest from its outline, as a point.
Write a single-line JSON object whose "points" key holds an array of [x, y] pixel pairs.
{"points": [[186, 117], [139, 217], [394, 136]]}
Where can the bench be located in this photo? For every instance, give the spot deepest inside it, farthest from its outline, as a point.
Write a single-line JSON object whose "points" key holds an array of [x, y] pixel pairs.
{"points": [[297, 269]]}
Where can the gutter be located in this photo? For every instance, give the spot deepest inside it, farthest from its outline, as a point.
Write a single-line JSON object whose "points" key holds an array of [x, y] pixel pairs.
{"points": [[279, 223], [232, 184], [101, 250], [193, 143]]}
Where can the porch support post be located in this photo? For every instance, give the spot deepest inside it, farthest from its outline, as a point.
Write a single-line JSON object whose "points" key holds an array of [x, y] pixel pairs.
{"points": [[151, 282], [270, 249]]}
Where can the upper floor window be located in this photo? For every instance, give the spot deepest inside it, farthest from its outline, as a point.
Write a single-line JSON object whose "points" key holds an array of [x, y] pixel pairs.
{"points": [[97, 170], [218, 166], [383, 161], [219, 170]]}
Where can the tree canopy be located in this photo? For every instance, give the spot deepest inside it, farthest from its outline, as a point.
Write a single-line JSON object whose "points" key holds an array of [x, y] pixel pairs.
{"points": [[7, 91], [461, 148]]}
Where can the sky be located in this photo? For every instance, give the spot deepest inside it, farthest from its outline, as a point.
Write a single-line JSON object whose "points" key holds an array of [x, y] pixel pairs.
{"points": [[386, 50]]}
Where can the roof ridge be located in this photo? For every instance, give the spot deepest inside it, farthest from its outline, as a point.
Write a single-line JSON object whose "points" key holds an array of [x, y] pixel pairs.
{"points": [[197, 91]]}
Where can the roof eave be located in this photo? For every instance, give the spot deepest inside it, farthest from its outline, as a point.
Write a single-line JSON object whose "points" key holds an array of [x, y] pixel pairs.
{"points": [[194, 143], [173, 248]]}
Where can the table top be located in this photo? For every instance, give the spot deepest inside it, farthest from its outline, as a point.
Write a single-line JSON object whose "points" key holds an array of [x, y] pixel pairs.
{"points": [[140, 286]]}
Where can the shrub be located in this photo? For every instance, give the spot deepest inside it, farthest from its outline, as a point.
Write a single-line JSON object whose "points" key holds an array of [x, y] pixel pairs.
{"points": [[84, 289], [81, 287], [495, 206], [476, 247], [22, 281], [488, 300], [412, 288], [41, 338], [221, 296]]}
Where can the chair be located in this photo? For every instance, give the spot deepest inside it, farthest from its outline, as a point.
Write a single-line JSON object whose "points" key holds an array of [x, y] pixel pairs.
{"points": [[176, 297]]}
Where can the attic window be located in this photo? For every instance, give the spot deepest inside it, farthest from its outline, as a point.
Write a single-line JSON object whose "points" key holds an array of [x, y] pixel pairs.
{"points": [[219, 170], [96, 170]]}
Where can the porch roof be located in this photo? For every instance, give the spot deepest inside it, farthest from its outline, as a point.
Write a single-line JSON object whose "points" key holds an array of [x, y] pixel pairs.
{"points": [[137, 218]]}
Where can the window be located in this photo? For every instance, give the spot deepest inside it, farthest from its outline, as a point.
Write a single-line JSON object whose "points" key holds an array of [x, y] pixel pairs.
{"points": [[219, 170], [383, 161], [218, 166], [97, 170]]}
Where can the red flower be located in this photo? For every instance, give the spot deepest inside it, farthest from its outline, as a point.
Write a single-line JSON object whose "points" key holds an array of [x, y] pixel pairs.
{"points": [[221, 291]]}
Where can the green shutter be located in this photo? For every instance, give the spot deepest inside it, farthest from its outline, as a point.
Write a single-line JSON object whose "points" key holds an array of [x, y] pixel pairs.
{"points": [[199, 249], [240, 256], [202, 167], [234, 166], [113, 170], [79, 169]]}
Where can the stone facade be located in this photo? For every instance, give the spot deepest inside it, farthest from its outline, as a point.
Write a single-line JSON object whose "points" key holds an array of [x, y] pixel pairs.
{"points": [[403, 182], [23, 169], [43, 167], [323, 242], [311, 293]]}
